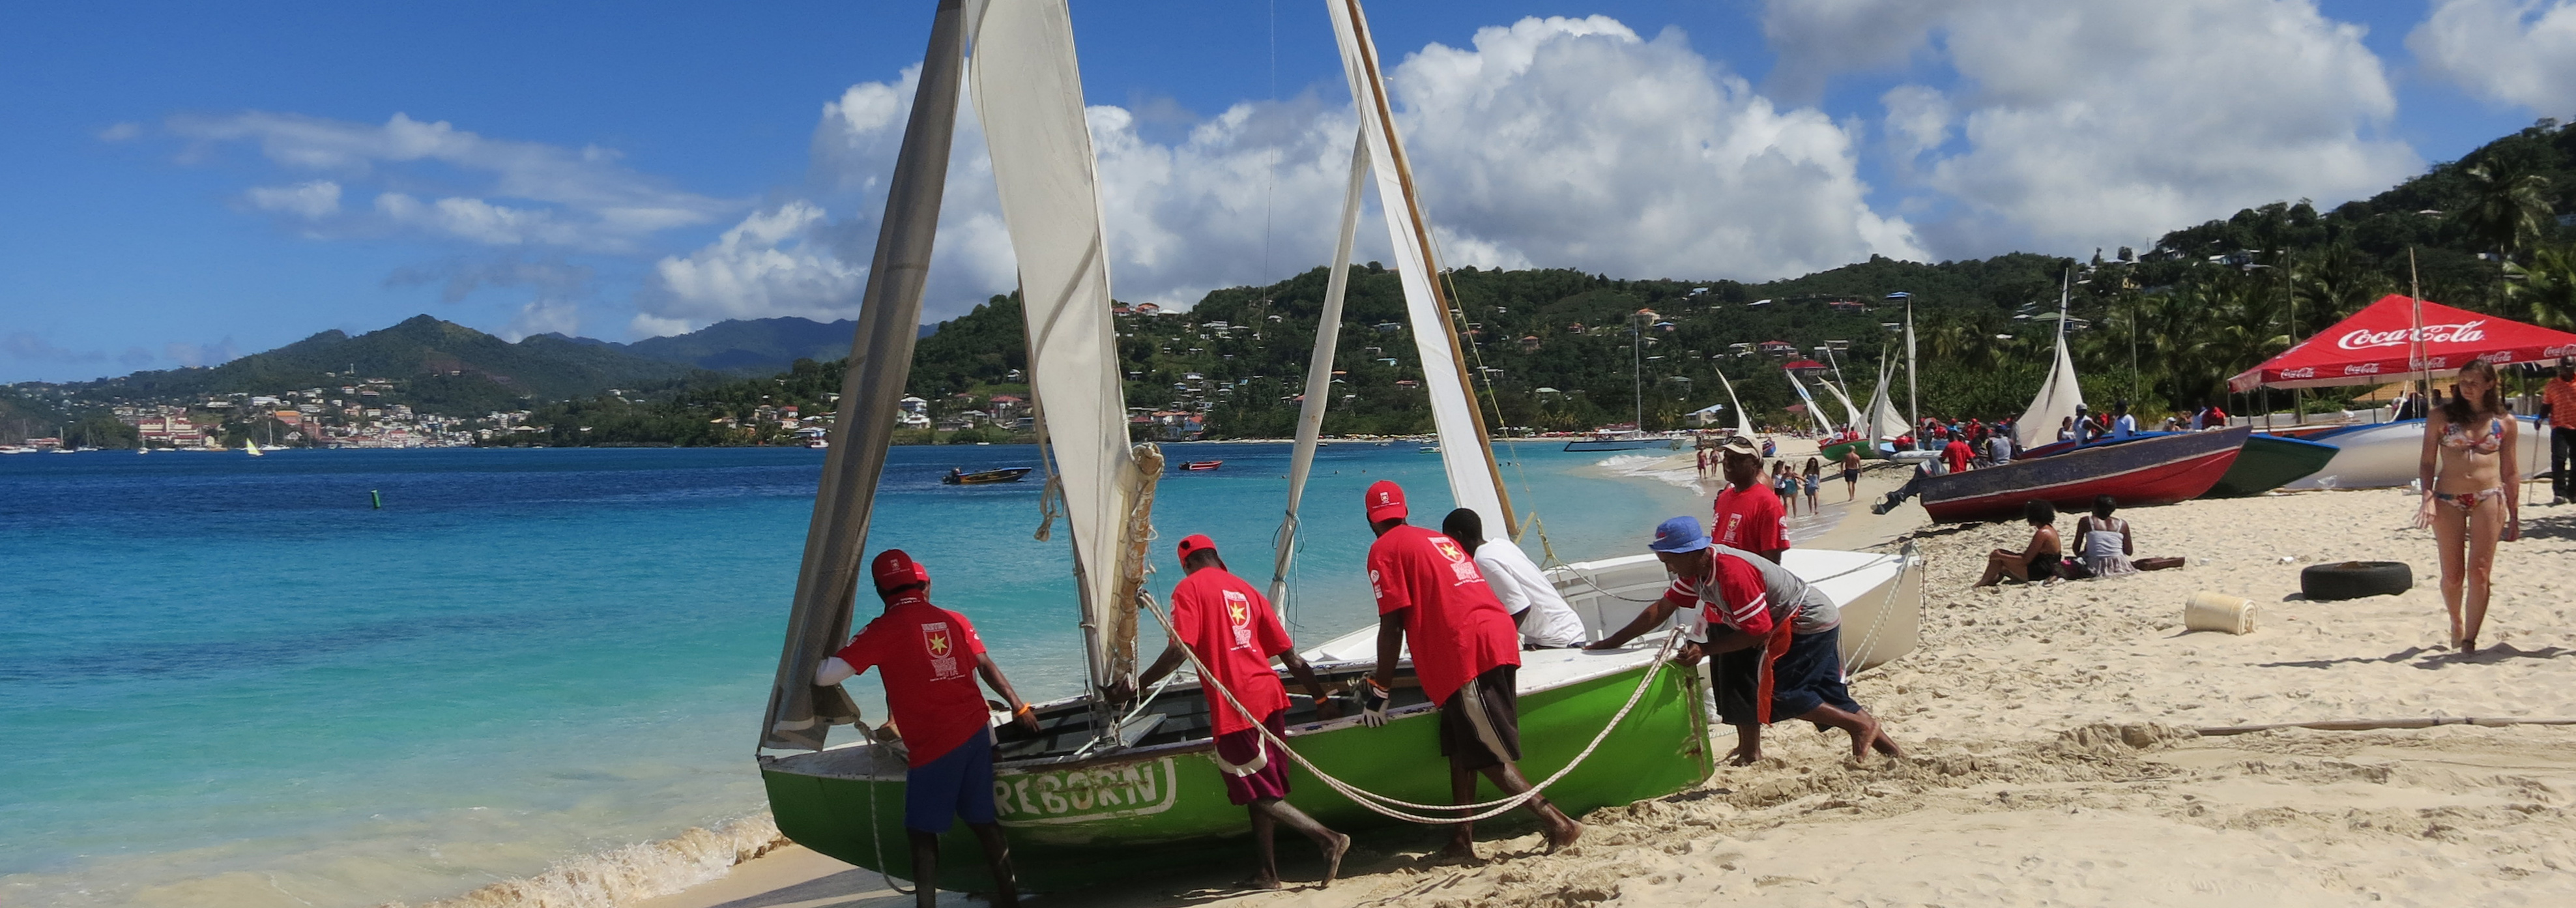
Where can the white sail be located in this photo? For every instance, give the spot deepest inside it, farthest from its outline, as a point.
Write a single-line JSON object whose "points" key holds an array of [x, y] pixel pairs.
{"points": [[1475, 482], [1884, 422], [1851, 415], [1816, 413], [1319, 372], [1743, 423], [2059, 395], [1027, 91]]}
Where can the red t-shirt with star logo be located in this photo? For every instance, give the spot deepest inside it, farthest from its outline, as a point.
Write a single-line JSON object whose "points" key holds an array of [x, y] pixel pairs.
{"points": [[1453, 623], [1232, 629], [926, 654], [1749, 518]]}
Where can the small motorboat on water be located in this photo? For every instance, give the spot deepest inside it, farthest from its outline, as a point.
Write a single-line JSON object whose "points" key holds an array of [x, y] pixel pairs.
{"points": [[958, 477], [1198, 465]]}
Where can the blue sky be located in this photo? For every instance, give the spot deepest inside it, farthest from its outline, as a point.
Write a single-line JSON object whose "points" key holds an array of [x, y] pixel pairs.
{"points": [[187, 183]]}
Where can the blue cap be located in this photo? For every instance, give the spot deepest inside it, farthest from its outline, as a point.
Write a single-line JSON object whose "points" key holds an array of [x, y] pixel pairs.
{"points": [[1678, 535]]}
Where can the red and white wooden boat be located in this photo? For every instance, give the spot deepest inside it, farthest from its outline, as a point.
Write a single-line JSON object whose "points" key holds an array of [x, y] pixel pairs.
{"points": [[1202, 464], [2146, 471]]}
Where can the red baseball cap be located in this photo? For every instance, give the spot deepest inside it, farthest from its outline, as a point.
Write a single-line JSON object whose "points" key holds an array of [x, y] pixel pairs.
{"points": [[1385, 501], [1196, 542], [895, 570]]}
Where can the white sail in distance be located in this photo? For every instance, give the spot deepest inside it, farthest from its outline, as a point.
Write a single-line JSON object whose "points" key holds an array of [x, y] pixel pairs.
{"points": [[1475, 482], [1743, 423], [1885, 423], [2059, 395], [1027, 90], [1816, 413]]}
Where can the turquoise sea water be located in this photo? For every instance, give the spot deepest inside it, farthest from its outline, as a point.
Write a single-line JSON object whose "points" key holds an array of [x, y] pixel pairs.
{"points": [[229, 681]]}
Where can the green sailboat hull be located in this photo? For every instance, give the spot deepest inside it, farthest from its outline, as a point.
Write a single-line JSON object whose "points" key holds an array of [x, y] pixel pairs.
{"points": [[1139, 812], [1834, 452], [2269, 462]]}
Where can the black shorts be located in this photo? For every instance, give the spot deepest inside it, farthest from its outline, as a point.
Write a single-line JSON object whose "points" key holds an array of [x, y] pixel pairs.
{"points": [[1480, 725], [1808, 675]]}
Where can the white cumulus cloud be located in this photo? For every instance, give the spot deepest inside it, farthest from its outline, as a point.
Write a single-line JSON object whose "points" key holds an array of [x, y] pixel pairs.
{"points": [[771, 264], [2081, 125], [1549, 142], [2511, 51]]}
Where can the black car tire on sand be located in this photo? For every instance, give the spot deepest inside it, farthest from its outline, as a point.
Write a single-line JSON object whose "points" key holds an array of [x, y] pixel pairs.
{"points": [[2355, 579]]}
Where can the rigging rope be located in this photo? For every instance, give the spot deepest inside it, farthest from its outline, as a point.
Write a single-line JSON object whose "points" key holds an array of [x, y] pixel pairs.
{"points": [[1388, 806]]}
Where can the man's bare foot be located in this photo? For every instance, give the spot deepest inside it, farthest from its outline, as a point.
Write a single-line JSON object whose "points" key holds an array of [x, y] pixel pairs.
{"points": [[1333, 859], [1263, 881], [1459, 849], [1886, 745], [1561, 837], [2469, 646]]}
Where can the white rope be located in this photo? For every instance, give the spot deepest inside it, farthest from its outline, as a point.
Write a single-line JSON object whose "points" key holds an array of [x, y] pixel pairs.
{"points": [[1386, 805], [1869, 640], [876, 833]]}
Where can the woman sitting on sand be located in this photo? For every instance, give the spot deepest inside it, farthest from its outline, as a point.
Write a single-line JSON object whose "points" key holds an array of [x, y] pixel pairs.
{"points": [[2036, 563], [2106, 541], [2467, 501]]}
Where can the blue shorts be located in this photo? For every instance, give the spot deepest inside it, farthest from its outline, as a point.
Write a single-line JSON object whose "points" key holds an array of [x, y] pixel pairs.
{"points": [[958, 784]]}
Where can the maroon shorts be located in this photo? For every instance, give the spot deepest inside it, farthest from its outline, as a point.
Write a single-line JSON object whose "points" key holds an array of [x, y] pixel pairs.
{"points": [[1243, 748]]}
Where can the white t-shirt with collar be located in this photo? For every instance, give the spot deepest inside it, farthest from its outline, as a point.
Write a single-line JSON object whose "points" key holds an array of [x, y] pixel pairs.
{"points": [[1517, 581]]}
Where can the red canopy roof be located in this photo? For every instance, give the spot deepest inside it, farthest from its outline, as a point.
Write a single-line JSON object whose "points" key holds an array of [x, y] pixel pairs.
{"points": [[2372, 346]]}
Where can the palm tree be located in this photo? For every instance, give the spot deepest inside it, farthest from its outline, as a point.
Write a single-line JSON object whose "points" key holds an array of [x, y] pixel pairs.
{"points": [[2334, 282], [2547, 286], [2506, 207]]}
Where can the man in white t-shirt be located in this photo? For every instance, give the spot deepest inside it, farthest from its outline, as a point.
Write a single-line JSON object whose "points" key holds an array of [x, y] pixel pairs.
{"points": [[1546, 622]]}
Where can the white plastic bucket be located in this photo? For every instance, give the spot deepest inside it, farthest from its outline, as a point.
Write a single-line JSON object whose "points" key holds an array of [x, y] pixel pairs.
{"points": [[2207, 611]]}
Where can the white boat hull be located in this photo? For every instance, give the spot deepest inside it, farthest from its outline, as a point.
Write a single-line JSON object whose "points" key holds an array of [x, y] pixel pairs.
{"points": [[1880, 596], [2389, 455]]}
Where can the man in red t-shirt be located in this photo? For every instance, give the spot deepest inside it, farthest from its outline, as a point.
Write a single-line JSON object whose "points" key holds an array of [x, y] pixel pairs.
{"points": [[1466, 651], [1749, 516], [1957, 455], [929, 657], [1234, 632]]}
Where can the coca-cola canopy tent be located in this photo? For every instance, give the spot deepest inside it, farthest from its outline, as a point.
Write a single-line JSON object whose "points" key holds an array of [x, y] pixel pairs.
{"points": [[2372, 347]]}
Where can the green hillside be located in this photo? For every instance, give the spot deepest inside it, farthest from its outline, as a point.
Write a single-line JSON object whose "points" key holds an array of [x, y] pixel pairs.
{"points": [[438, 366]]}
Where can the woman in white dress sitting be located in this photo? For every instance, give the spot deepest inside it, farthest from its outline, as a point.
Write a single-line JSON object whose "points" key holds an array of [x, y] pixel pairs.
{"points": [[2104, 540]]}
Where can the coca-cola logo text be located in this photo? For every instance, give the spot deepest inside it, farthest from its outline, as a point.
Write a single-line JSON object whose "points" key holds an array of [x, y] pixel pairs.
{"points": [[2462, 333], [2307, 372]]}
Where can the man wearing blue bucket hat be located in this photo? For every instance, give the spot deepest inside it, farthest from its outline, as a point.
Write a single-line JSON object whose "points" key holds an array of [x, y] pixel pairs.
{"points": [[1751, 604]]}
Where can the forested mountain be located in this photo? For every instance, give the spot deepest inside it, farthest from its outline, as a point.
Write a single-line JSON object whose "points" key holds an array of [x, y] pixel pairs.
{"points": [[1562, 349], [442, 367], [758, 346]]}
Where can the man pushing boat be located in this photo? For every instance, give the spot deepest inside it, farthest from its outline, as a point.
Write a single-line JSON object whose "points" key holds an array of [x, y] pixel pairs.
{"points": [[929, 657], [1235, 633], [1752, 604], [1466, 652]]}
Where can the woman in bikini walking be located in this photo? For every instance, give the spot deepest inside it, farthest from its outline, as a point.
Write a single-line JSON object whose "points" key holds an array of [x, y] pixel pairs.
{"points": [[2468, 453]]}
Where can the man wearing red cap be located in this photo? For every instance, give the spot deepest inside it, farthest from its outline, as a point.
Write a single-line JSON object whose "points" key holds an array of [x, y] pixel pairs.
{"points": [[925, 654], [1235, 634], [1466, 651]]}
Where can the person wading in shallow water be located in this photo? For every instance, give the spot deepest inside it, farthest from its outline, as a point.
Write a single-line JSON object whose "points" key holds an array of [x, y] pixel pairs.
{"points": [[1466, 653], [1235, 633], [929, 657], [1751, 604]]}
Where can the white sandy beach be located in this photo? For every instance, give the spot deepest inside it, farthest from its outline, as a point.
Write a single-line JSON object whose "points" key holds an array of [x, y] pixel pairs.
{"points": [[2052, 752]]}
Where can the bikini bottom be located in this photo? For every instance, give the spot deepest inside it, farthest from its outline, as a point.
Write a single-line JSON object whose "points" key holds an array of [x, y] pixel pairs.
{"points": [[2469, 501]]}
